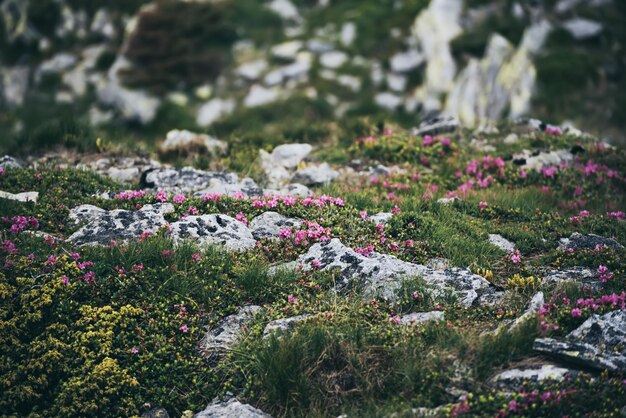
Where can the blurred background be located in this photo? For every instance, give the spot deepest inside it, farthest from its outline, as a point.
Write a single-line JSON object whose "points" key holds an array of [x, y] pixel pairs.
{"points": [[91, 74]]}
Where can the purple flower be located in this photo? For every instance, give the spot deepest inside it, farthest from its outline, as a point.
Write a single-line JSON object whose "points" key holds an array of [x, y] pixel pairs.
{"points": [[184, 328]]}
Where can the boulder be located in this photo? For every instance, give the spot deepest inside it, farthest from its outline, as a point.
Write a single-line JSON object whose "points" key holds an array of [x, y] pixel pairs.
{"points": [[189, 180], [581, 28], [285, 324], [85, 213], [225, 333], [598, 343], [290, 155], [269, 225], [501, 242], [216, 229], [406, 61], [315, 175], [333, 59], [214, 110], [421, 317], [186, 142], [514, 378], [579, 241], [437, 126], [116, 225], [259, 95], [20, 197], [381, 275], [9, 162], [231, 409]]}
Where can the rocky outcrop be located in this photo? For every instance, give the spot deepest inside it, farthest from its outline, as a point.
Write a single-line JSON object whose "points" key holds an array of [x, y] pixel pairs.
{"points": [[225, 333], [231, 409], [285, 324], [381, 275], [578, 241], [421, 317], [269, 225], [598, 343], [190, 180], [186, 142], [214, 229], [116, 225], [501, 242]]}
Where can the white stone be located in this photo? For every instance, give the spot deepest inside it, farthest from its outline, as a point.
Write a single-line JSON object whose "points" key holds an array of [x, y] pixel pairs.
{"points": [[388, 100], [315, 175], [287, 50], [333, 59], [183, 141], [15, 82], [213, 110], [349, 81], [421, 317], [259, 95], [215, 229], [581, 28], [403, 62], [252, 70], [285, 9], [396, 82], [20, 197], [501, 242], [348, 34]]}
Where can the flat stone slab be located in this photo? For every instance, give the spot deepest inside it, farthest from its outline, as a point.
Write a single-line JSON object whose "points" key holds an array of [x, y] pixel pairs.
{"points": [[599, 343], [231, 409], [215, 229]]}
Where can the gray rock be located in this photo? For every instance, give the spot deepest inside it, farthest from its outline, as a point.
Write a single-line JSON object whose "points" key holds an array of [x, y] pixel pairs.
{"points": [[536, 162], [285, 9], [439, 263], [252, 70], [214, 110], [15, 82], [20, 197], [501, 242], [437, 126], [315, 175], [348, 33], [387, 100], [189, 142], [225, 333], [162, 208], [597, 343], [381, 218], [333, 59], [448, 200], [155, 413], [421, 317], [59, 63], [296, 190], [579, 241], [285, 324], [290, 155], [515, 377], [319, 46], [133, 105], [570, 274], [124, 175], [231, 409], [9, 162], [534, 305], [117, 225], [213, 229], [581, 28], [259, 95], [188, 180], [403, 62], [269, 224], [381, 275], [85, 213], [287, 50]]}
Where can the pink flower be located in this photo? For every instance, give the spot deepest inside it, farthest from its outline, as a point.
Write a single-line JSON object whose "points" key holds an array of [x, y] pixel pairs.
{"points": [[65, 280], [482, 205], [1, 171], [292, 300], [395, 209], [161, 196], [363, 214], [584, 213], [196, 257], [316, 263], [137, 267], [395, 320], [409, 243], [445, 142], [576, 312], [549, 171], [616, 215], [515, 256], [522, 173], [167, 253], [427, 141], [184, 328], [134, 350], [241, 218], [179, 198], [89, 277], [193, 210]]}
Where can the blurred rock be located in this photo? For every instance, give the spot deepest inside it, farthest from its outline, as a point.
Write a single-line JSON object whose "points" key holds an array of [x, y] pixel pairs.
{"points": [[186, 142]]}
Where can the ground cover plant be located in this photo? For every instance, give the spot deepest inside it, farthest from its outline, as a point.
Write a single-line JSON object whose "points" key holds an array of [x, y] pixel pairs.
{"points": [[123, 327]]}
